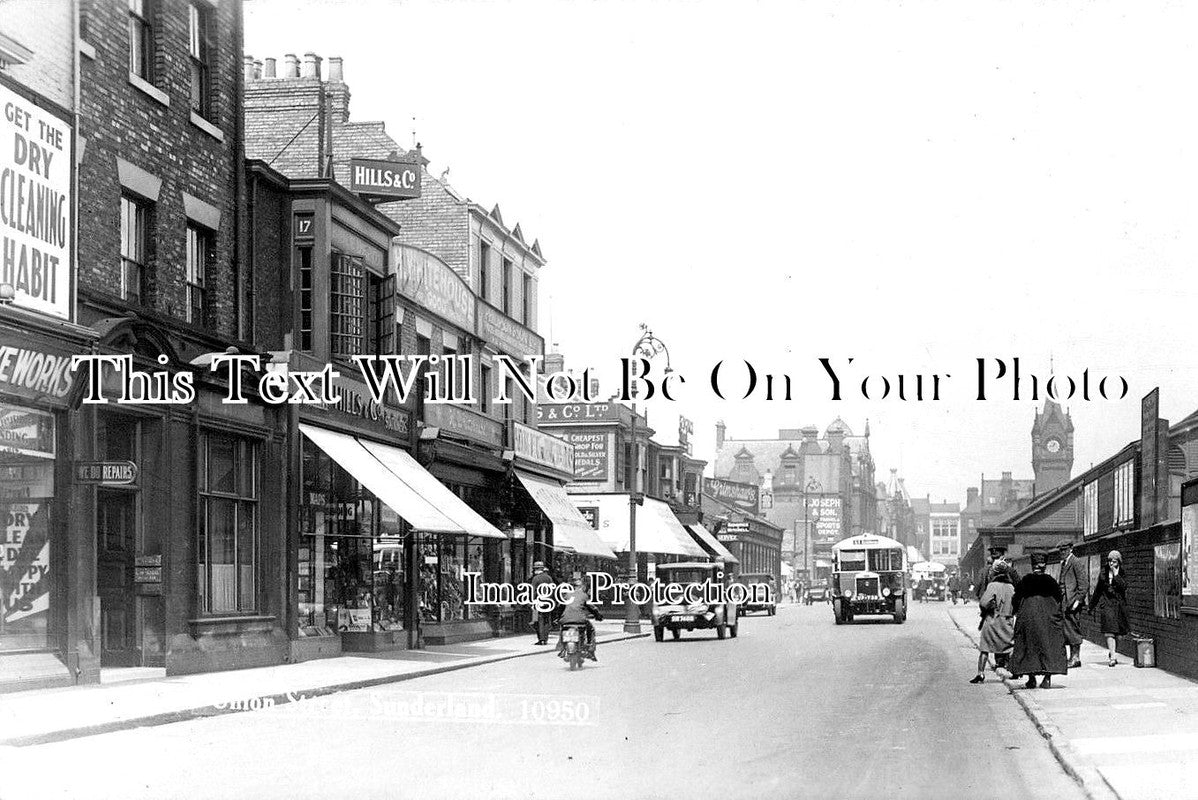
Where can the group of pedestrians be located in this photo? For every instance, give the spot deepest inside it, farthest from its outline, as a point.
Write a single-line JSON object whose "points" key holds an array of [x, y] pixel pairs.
{"points": [[1032, 624]]}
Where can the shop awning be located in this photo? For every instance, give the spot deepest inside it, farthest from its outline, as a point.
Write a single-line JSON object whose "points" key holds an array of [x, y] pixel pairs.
{"points": [[657, 529], [403, 486], [570, 530], [438, 494], [705, 537]]}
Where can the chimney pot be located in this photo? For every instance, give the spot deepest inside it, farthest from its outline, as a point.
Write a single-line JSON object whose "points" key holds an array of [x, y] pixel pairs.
{"points": [[269, 68], [248, 67], [311, 65], [292, 68], [257, 70], [335, 69]]}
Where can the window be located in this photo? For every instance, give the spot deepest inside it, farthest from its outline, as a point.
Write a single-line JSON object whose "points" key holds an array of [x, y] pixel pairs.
{"points": [[141, 39], [228, 547], [135, 238], [484, 389], [1125, 494], [380, 328], [305, 298], [526, 299], [508, 407], [507, 287], [347, 298], [484, 263], [1090, 509], [198, 252], [199, 22]]}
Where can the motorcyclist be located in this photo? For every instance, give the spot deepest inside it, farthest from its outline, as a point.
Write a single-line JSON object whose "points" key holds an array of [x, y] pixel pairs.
{"points": [[578, 611]]}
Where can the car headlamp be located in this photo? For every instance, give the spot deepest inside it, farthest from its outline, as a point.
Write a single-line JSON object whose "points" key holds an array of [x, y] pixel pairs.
{"points": [[886, 592], [848, 593]]}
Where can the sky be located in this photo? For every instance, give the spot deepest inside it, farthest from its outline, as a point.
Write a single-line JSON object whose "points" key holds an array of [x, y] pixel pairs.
{"points": [[911, 185]]}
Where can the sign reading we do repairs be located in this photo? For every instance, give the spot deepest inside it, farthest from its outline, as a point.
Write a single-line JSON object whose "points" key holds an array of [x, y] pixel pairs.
{"points": [[35, 205]]}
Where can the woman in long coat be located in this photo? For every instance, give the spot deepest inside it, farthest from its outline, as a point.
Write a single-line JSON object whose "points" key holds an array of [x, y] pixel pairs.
{"points": [[1039, 627], [1110, 598], [997, 628]]}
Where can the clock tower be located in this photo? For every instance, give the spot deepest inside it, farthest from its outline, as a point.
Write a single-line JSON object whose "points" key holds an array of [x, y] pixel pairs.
{"points": [[1052, 447]]}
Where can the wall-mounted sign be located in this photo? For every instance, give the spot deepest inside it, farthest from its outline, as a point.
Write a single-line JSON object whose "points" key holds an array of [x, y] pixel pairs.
{"points": [[591, 452], [32, 370], [541, 448], [105, 473], [25, 572], [303, 228], [727, 537], [744, 496], [507, 335], [464, 422], [430, 282], [590, 514], [373, 178], [1166, 580], [35, 216], [737, 527], [578, 412], [355, 406], [26, 431], [686, 429]]}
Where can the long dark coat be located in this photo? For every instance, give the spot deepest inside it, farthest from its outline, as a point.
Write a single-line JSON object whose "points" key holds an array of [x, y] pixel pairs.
{"points": [[1110, 598], [1039, 632]]}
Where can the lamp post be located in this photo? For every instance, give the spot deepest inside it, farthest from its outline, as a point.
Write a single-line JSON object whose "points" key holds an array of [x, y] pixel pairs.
{"points": [[648, 346]]}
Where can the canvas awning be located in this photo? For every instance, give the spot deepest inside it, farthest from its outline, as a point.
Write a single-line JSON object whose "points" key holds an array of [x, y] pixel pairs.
{"points": [[406, 487], [570, 530], [657, 529], [713, 544]]}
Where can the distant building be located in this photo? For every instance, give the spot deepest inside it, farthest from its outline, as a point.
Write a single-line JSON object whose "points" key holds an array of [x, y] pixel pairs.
{"points": [[895, 518], [1052, 448]]}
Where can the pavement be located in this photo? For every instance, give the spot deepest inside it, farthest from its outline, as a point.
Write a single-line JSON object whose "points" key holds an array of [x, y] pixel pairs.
{"points": [[41, 716], [1121, 731], [795, 706]]}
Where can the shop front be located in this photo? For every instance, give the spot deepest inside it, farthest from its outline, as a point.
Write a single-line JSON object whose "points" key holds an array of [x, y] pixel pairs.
{"points": [[40, 632], [564, 539], [660, 537]]}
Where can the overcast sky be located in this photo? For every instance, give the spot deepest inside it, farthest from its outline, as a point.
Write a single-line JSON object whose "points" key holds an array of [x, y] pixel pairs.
{"points": [[912, 185]]}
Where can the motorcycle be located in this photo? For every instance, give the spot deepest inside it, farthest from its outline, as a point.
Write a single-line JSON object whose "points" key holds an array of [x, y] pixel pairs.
{"points": [[574, 644]]}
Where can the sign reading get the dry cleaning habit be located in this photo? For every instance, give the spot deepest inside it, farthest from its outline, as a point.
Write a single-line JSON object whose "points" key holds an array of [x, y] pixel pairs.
{"points": [[35, 205]]}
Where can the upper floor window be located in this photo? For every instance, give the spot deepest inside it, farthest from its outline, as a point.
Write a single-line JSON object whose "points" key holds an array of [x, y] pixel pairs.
{"points": [[507, 287], [1125, 492], [484, 388], [141, 39], [135, 247], [199, 23], [1090, 509], [484, 264], [305, 298], [380, 328], [199, 250], [526, 299], [347, 305]]}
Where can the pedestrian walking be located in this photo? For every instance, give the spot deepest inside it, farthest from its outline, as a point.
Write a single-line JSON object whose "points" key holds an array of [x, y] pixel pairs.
{"points": [[541, 619], [954, 587], [997, 626], [1110, 598], [1074, 579], [998, 555], [1039, 647]]}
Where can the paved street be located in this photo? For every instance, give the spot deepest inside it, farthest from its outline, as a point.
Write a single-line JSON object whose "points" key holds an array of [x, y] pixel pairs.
{"points": [[795, 707]]}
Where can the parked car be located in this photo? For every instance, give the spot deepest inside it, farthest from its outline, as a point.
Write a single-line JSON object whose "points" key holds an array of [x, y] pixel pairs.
{"points": [[816, 594]]}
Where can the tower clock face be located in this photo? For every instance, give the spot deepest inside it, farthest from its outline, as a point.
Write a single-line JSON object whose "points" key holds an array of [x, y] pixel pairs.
{"points": [[1053, 445]]}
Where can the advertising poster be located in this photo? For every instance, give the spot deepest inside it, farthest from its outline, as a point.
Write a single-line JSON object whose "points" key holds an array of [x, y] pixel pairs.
{"points": [[1166, 580], [591, 453], [1189, 555]]}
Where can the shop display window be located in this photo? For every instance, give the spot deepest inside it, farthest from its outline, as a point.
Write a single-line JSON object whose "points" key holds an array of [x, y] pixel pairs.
{"points": [[350, 565], [27, 453]]}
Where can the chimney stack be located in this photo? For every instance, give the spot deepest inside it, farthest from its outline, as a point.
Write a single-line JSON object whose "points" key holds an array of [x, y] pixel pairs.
{"points": [[257, 70], [720, 431], [311, 66], [269, 68], [335, 75], [292, 66], [248, 67]]}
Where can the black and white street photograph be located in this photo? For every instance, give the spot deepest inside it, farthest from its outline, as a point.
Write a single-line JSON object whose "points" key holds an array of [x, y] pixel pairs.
{"points": [[545, 399]]}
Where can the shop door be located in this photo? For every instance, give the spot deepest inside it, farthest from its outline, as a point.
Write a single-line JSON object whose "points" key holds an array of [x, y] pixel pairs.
{"points": [[116, 518]]}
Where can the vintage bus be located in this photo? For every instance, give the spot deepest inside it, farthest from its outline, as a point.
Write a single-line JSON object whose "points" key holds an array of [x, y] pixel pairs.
{"points": [[869, 576]]}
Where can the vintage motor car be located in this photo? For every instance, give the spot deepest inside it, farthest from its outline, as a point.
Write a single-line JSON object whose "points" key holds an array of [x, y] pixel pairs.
{"points": [[869, 577], [768, 605], [720, 617], [816, 594]]}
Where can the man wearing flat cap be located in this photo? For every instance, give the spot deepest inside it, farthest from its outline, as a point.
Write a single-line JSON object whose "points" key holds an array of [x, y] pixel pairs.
{"points": [[1074, 579]]}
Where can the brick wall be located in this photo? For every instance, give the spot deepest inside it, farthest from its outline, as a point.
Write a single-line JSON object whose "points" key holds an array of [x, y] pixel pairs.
{"points": [[119, 120], [48, 29]]}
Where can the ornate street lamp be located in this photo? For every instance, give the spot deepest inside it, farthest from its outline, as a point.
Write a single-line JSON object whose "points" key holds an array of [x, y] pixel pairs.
{"points": [[647, 347]]}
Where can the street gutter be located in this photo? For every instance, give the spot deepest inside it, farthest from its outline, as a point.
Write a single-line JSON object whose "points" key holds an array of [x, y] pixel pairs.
{"points": [[1076, 766], [275, 699]]}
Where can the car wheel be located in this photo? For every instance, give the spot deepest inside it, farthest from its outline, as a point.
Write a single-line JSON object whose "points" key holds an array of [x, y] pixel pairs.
{"points": [[659, 633], [677, 634], [721, 631], [836, 614]]}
